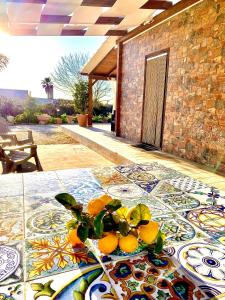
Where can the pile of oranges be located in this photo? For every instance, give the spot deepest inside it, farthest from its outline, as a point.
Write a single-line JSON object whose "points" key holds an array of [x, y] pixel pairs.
{"points": [[112, 240]]}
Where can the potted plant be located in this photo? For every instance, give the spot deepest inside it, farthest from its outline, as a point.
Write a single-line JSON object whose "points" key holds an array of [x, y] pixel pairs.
{"points": [[58, 120], [110, 228], [80, 95], [69, 119], [43, 119]]}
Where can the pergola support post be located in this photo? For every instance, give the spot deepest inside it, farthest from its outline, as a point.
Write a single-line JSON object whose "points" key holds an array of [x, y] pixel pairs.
{"points": [[119, 87], [90, 100]]}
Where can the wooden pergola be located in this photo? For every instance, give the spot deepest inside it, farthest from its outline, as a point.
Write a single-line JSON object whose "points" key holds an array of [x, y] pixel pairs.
{"points": [[103, 67]]}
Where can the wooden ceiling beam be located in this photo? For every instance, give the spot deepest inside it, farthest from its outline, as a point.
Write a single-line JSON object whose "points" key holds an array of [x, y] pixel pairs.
{"points": [[157, 4], [167, 14]]}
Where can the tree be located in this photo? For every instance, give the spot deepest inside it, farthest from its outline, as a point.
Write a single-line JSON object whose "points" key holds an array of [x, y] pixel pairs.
{"points": [[4, 60], [80, 96], [67, 74], [47, 84]]}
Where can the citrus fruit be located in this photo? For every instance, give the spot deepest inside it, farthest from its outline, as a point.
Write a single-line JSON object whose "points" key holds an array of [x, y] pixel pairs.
{"points": [[149, 232], [108, 243], [95, 206], [106, 199], [130, 210], [128, 243], [74, 239]]}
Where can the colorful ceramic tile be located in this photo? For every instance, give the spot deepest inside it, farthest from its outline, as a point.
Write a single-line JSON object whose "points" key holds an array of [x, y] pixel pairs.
{"points": [[125, 191], [49, 255], [12, 292], [186, 184], [11, 263], [109, 176], [209, 219], [70, 174], [204, 262], [45, 201], [84, 190], [157, 208], [11, 205], [180, 202], [176, 229], [91, 283], [46, 222], [150, 277], [162, 188], [11, 227], [209, 196]]}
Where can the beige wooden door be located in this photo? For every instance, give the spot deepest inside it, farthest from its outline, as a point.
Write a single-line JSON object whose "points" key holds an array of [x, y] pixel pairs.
{"points": [[155, 84]]}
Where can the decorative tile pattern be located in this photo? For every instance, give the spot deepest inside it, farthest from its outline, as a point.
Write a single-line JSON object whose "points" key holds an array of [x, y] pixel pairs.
{"points": [[149, 277], [180, 202], [176, 229], [125, 191], [210, 219], [49, 255], [204, 262], [11, 227], [12, 292], [91, 283], [209, 196], [11, 263], [47, 222], [187, 184], [56, 271], [109, 176]]}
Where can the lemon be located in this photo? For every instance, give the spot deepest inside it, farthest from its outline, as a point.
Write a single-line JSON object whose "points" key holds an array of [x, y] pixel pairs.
{"points": [[108, 244], [128, 243], [149, 232]]}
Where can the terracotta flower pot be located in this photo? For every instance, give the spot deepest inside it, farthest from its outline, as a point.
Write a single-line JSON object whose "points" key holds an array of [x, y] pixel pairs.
{"points": [[58, 120], [82, 120], [43, 119], [69, 119]]}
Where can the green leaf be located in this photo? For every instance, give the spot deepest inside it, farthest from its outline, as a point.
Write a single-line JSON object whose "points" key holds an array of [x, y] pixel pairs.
{"points": [[66, 200], [82, 232], [109, 223], [159, 243], [72, 224], [139, 214], [83, 285], [78, 296], [124, 227], [113, 205], [98, 223]]}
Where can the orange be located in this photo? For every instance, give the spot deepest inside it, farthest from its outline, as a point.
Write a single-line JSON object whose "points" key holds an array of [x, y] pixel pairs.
{"points": [[95, 206], [106, 199], [149, 232], [108, 243], [128, 243], [74, 239]]}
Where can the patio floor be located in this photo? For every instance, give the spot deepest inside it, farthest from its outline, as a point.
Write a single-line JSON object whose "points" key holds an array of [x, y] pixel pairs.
{"points": [[100, 139]]}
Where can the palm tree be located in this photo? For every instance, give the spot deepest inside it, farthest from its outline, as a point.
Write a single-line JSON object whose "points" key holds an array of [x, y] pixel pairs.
{"points": [[48, 86], [4, 60]]}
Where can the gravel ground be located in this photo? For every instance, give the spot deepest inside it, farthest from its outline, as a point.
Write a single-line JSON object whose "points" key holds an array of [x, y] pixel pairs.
{"points": [[46, 134]]}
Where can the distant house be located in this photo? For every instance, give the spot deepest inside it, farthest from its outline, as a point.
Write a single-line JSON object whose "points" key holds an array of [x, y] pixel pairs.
{"points": [[18, 96]]}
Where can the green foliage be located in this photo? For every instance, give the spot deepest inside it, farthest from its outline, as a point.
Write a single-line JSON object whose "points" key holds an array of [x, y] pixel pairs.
{"points": [[64, 119], [159, 243], [27, 117], [98, 223], [80, 96], [140, 215], [52, 120]]}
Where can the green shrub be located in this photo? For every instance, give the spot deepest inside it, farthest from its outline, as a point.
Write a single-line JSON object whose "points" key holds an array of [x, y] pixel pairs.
{"points": [[64, 119], [52, 120], [27, 117]]}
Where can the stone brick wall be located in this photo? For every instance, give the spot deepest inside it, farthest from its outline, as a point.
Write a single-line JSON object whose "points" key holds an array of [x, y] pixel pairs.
{"points": [[195, 104]]}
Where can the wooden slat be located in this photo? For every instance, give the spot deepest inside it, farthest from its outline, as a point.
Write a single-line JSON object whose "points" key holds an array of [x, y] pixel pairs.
{"points": [[183, 4], [157, 4], [98, 3], [109, 20]]}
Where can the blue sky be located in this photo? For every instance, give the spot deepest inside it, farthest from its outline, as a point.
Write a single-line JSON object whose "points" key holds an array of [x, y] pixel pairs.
{"points": [[33, 58]]}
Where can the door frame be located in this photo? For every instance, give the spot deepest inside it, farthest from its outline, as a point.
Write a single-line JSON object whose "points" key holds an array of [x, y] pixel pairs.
{"points": [[157, 53]]}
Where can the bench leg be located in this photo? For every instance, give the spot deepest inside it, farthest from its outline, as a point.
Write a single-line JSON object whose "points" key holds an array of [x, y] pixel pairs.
{"points": [[38, 163]]}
